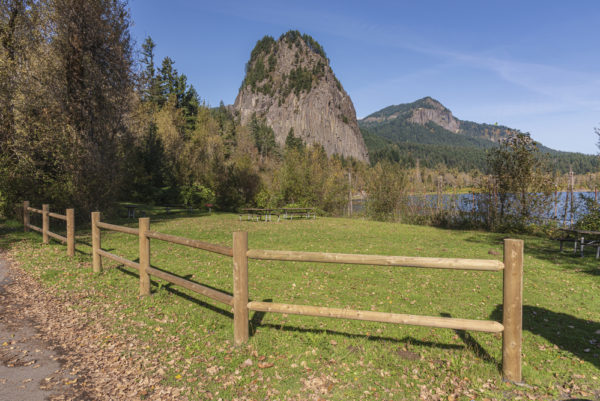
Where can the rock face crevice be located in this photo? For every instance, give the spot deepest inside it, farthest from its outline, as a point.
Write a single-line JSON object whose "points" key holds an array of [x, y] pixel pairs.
{"points": [[290, 84], [437, 114]]}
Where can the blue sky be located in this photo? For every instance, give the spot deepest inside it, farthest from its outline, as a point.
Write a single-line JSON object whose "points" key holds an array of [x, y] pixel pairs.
{"points": [[530, 65]]}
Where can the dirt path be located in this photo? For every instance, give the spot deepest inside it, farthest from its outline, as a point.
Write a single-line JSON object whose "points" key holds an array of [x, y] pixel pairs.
{"points": [[30, 367], [48, 350]]}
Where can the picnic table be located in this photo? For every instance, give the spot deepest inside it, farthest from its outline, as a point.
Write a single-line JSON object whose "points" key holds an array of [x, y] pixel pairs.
{"points": [[299, 212], [579, 237], [258, 214]]}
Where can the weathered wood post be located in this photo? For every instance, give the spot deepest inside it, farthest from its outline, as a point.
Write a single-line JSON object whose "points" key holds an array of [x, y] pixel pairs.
{"points": [[512, 310], [25, 216], [45, 223], [144, 226], [240, 287], [71, 232], [96, 260]]}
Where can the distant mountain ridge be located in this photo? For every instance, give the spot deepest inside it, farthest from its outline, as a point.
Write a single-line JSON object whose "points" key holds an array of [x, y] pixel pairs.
{"points": [[428, 131], [406, 122]]}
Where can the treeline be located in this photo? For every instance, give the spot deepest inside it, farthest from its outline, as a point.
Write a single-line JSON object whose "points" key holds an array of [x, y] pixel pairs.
{"points": [[465, 158], [66, 101], [85, 124]]}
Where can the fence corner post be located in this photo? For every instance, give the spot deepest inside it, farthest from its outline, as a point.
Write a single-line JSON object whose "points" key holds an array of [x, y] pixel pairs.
{"points": [[96, 261], [25, 216], [512, 310], [71, 232], [45, 223], [144, 226], [240, 287]]}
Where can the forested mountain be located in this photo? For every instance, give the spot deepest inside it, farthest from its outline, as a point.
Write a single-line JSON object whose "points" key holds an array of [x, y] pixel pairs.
{"points": [[427, 131]]}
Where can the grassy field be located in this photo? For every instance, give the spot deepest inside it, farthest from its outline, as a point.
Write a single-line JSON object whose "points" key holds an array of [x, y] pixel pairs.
{"points": [[314, 358]]}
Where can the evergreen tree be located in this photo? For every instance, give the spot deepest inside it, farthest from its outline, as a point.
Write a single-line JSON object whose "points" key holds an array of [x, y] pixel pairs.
{"points": [[292, 142]]}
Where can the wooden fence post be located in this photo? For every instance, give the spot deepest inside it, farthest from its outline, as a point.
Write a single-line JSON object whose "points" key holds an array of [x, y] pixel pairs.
{"points": [[144, 226], [96, 260], [25, 216], [512, 310], [71, 232], [45, 223], [240, 287]]}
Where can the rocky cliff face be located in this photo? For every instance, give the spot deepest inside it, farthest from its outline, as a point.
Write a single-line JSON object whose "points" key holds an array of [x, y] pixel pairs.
{"points": [[436, 113], [290, 84], [399, 118]]}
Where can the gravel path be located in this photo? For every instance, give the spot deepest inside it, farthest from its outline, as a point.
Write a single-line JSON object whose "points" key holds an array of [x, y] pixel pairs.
{"points": [[30, 368], [50, 350]]}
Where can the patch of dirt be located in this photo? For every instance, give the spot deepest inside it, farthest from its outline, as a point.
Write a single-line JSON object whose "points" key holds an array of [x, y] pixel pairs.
{"points": [[49, 350]]}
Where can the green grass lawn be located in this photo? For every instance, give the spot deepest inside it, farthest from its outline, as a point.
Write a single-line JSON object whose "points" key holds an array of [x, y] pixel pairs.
{"points": [[304, 357]]}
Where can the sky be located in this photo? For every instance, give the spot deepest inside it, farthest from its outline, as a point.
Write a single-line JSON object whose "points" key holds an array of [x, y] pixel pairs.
{"points": [[530, 65]]}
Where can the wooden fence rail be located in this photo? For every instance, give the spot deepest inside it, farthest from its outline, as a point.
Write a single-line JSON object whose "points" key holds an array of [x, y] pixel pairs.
{"points": [[68, 217], [512, 268], [144, 268]]}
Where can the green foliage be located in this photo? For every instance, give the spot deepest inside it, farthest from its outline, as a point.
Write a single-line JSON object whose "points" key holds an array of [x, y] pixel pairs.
{"points": [[264, 136], [591, 219], [67, 74], [308, 178], [299, 80], [256, 72], [262, 48], [239, 185], [338, 84], [294, 37], [385, 186], [197, 195], [431, 156], [292, 142], [263, 60], [520, 177], [391, 138]]}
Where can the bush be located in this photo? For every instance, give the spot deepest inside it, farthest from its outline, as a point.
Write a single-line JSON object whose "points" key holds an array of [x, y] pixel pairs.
{"points": [[197, 195]]}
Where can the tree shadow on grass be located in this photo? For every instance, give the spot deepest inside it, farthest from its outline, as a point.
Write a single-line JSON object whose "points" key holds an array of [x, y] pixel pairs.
{"points": [[578, 336], [548, 250], [169, 287], [407, 339], [473, 345], [256, 321], [11, 232]]}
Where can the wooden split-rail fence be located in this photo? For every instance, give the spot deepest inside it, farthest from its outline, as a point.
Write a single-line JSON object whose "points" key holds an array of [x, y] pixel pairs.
{"points": [[512, 267], [68, 217]]}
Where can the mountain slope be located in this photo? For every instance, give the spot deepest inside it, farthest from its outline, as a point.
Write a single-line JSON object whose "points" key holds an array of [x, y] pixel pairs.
{"points": [[428, 121], [426, 130], [290, 85]]}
